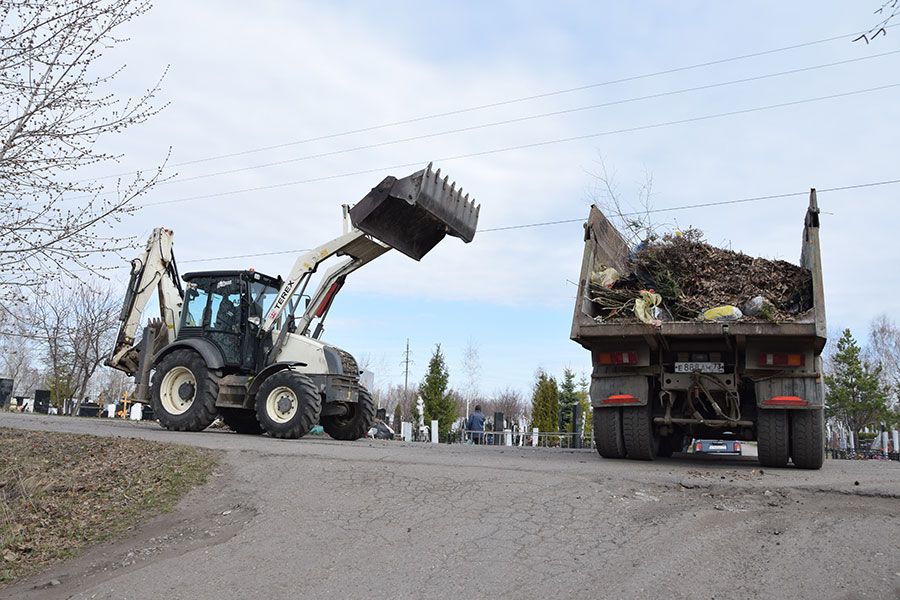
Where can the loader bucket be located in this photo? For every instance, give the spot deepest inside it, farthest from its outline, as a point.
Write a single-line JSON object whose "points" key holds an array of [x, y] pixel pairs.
{"points": [[413, 214]]}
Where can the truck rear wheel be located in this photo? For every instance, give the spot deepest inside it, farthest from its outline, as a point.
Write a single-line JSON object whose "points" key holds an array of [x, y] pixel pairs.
{"points": [[288, 404], [356, 423], [808, 438], [670, 444], [773, 437], [641, 442], [183, 392], [608, 432], [240, 420]]}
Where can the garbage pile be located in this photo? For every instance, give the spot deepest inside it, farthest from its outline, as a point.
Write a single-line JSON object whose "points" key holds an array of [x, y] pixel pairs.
{"points": [[681, 277]]}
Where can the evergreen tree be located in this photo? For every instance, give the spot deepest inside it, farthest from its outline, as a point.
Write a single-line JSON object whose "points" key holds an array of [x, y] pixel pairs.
{"points": [[568, 398], [856, 395], [398, 417], [545, 404], [584, 398], [433, 389]]}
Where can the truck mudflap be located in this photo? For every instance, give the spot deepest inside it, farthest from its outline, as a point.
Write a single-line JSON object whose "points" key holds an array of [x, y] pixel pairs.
{"points": [[790, 393], [619, 390], [413, 214]]}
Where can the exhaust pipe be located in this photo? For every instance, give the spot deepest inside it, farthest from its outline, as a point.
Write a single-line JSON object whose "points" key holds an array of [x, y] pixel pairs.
{"points": [[413, 214]]}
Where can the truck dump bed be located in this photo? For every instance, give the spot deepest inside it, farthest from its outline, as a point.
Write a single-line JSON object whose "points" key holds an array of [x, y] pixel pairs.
{"points": [[605, 246]]}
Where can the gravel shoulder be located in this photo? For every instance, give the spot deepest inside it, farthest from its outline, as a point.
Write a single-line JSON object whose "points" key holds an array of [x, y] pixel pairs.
{"points": [[315, 517]]}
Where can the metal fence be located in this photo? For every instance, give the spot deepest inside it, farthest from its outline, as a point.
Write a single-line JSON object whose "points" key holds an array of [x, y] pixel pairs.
{"points": [[859, 454], [548, 439]]}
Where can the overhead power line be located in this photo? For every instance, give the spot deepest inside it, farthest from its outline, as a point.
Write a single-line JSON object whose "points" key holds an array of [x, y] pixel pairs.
{"points": [[582, 219], [533, 117], [705, 204], [528, 145], [506, 102]]}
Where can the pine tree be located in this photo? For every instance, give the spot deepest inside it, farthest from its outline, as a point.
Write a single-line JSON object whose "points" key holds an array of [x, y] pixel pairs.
{"points": [[545, 404], [398, 417], [433, 389], [584, 397], [856, 396], [568, 398]]}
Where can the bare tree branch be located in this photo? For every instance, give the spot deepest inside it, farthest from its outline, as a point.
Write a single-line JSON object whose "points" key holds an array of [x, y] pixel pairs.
{"points": [[54, 107]]}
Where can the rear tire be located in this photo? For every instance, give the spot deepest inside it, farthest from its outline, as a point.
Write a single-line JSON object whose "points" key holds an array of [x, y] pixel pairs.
{"points": [[288, 404], [773, 437], [240, 420], [608, 432], [641, 443], [670, 444], [808, 438], [356, 423], [183, 392]]}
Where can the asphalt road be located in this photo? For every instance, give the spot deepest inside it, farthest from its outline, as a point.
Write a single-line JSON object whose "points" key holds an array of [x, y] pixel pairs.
{"points": [[316, 518]]}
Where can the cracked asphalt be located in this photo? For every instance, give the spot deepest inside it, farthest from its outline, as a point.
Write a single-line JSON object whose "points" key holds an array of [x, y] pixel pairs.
{"points": [[316, 518]]}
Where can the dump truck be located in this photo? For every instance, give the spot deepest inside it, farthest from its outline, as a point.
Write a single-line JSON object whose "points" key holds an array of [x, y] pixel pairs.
{"points": [[247, 347], [656, 385]]}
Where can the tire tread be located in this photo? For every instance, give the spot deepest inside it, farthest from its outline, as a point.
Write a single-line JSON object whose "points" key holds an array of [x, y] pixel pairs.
{"points": [[773, 437]]}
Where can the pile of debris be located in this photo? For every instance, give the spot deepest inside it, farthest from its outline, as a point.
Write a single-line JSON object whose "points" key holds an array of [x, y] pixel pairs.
{"points": [[681, 277]]}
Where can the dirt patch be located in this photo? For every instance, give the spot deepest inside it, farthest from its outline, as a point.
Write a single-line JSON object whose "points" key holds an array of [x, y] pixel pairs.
{"points": [[61, 492]]}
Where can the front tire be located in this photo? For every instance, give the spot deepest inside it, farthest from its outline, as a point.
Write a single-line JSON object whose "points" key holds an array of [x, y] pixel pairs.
{"points": [[773, 438], [184, 392], [808, 438], [356, 423], [608, 432], [288, 405], [240, 420]]}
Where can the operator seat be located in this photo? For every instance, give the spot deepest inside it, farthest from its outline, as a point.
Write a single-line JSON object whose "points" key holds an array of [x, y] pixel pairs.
{"points": [[228, 316]]}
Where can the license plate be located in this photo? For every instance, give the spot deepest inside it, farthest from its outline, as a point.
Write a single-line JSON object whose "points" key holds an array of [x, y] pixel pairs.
{"points": [[699, 367], [718, 447]]}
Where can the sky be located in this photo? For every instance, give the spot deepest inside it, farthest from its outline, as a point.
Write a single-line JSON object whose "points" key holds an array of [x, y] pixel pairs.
{"points": [[244, 76]]}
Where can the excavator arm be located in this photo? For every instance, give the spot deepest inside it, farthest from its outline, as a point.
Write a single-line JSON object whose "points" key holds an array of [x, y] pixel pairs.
{"points": [[155, 272], [411, 214]]}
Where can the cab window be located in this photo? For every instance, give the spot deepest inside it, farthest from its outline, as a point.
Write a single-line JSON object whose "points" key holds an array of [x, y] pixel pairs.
{"points": [[195, 307]]}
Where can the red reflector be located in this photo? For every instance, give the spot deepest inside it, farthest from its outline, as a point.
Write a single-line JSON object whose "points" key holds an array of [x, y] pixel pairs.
{"points": [[780, 359], [616, 358], [785, 401], [327, 299], [620, 399]]}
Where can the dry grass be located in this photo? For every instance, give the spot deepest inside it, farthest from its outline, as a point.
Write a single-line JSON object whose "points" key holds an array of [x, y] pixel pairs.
{"points": [[60, 492]]}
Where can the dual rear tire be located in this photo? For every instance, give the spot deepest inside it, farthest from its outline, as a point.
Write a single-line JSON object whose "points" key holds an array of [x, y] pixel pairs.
{"points": [[797, 435], [626, 432]]}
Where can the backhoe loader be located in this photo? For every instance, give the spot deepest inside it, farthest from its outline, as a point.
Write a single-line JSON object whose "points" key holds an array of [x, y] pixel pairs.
{"points": [[235, 344]]}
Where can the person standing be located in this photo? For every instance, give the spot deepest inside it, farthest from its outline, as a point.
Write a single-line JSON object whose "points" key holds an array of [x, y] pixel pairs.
{"points": [[475, 425]]}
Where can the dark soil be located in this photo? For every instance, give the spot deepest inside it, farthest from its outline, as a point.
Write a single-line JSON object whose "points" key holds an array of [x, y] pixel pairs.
{"points": [[60, 492]]}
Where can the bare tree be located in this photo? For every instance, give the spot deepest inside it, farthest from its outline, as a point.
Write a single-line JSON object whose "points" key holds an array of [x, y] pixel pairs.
{"points": [[633, 221], [54, 107], [886, 13], [883, 349], [471, 366], [18, 353], [509, 402], [111, 384], [77, 328]]}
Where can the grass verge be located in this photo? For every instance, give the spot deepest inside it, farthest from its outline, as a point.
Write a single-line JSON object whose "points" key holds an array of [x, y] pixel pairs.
{"points": [[61, 492]]}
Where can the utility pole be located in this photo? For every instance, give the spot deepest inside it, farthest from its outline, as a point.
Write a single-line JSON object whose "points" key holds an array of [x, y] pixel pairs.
{"points": [[406, 362]]}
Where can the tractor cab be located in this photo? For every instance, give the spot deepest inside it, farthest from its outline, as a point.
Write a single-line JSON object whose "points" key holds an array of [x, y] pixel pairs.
{"points": [[226, 308]]}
